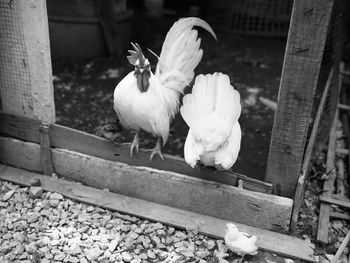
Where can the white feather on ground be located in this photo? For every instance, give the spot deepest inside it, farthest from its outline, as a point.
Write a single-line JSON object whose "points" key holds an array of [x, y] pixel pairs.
{"points": [[212, 111]]}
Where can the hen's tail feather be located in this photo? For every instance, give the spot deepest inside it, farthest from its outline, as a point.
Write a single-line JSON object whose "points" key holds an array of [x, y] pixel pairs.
{"points": [[211, 94], [179, 57]]}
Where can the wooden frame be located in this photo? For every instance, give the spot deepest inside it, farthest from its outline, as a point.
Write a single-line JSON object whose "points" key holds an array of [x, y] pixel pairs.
{"points": [[302, 63], [176, 184], [30, 139], [32, 98]]}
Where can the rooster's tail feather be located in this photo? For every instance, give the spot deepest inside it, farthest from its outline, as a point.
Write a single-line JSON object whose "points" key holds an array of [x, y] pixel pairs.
{"points": [[179, 57]]}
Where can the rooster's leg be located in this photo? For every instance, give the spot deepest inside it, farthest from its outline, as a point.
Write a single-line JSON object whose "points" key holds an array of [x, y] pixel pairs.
{"points": [[156, 150], [241, 259], [134, 144]]}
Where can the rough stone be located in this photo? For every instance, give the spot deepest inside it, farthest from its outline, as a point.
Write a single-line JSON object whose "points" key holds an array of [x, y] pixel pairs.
{"points": [[56, 196], [126, 257], [210, 244], [114, 243], [35, 192], [8, 195], [151, 254]]}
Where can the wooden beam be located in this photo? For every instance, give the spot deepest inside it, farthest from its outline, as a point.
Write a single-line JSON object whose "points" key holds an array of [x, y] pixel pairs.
{"points": [[333, 201], [299, 193], [164, 187], [340, 215], [341, 248], [74, 140], [328, 186], [45, 150], [301, 68], [284, 245], [25, 74]]}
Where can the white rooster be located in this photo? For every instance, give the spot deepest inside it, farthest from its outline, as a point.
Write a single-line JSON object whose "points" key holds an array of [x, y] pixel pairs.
{"points": [[212, 112], [143, 100], [239, 242]]}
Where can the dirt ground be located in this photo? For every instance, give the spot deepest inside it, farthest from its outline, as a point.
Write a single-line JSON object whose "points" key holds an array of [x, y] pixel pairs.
{"points": [[84, 89]]}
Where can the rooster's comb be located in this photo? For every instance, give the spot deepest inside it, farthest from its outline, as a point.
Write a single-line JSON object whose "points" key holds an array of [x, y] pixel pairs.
{"points": [[136, 54]]}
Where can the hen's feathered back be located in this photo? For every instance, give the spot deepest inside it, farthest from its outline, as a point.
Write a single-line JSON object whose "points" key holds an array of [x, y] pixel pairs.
{"points": [[239, 242], [212, 112], [178, 59]]}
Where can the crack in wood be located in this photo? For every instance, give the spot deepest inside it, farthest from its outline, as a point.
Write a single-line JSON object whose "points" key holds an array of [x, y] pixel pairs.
{"points": [[308, 12], [301, 48]]}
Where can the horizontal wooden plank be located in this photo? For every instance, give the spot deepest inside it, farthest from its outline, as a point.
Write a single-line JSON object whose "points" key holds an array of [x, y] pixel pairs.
{"points": [[340, 215], [342, 151], [17, 153], [74, 140], [267, 240], [164, 187], [334, 201]]}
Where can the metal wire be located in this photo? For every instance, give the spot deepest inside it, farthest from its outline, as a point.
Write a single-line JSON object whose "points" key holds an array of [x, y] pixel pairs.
{"points": [[14, 71]]}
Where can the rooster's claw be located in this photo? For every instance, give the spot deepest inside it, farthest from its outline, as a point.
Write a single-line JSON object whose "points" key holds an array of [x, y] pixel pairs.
{"points": [[134, 144], [154, 152]]}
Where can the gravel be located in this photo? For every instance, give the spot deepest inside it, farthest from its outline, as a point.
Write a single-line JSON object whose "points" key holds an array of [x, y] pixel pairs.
{"points": [[39, 226]]}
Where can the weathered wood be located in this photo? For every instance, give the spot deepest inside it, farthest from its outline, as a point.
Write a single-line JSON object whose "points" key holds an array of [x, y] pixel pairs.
{"points": [[340, 179], [334, 201], [323, 220], [301, 68], [25, 73], [26, 157], [341, 248], [70, 139], [342, 151], [288, 246], [45, 150], [343, 107], [340, 215], [168, 188], [299, 192]]}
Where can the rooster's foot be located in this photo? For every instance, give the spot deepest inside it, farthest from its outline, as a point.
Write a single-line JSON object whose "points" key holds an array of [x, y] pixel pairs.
{"points": [[156, 150], [134, 144]]}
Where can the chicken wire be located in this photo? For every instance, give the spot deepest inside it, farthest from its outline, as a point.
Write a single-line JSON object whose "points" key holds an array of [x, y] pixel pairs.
{"points": [[14, 72], [251, 17], [330, 59]]}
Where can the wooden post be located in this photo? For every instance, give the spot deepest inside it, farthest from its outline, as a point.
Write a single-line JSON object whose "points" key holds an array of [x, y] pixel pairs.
{"points": [[25, 73], [305, 46]]}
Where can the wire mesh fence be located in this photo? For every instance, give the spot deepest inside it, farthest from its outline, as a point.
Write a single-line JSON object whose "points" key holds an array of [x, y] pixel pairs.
{"points": [[14, 71], [251, 17]]}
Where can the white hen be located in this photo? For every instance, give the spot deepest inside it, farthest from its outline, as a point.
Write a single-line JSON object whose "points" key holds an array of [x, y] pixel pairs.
{"points": [[148, 101], [239, 242], [212, 112]]}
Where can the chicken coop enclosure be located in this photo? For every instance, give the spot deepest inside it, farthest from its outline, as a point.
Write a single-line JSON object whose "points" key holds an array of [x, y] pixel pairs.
{"points": [[170, 191]]}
